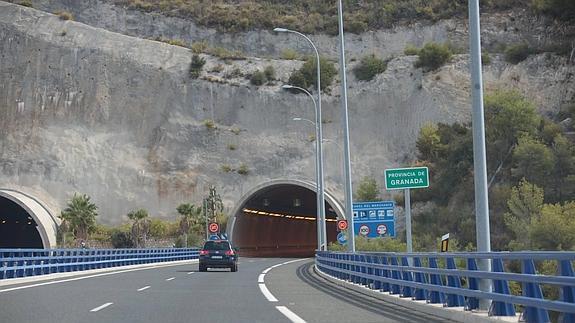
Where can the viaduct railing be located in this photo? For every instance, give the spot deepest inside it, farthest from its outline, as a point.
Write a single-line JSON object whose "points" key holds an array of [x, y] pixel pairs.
{"points": [[452, 279], [16, 263]]}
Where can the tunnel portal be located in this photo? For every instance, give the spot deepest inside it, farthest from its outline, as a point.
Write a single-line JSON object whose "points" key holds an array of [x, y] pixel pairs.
{"points": [[279, 220]]}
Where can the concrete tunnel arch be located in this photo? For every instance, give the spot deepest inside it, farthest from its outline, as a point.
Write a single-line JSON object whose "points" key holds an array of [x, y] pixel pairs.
{"points": [[278, 218], [39, 227]]}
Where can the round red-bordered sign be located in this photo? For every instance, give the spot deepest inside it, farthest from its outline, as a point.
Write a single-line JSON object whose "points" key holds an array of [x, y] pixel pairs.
{"points": [[342, 225], [214, 227], [381, 229], [364, 230]]}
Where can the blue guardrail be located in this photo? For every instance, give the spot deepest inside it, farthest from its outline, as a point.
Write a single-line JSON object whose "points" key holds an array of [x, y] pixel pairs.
{"points": [[16, 263], [453, 279]]}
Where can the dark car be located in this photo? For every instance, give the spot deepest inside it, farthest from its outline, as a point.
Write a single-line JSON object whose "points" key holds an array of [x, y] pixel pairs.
{"points": [[218, 254]]}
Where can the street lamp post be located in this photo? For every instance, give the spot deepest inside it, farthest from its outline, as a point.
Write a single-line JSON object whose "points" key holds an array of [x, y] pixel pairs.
{"points": [[345, 126], [317, 162], [318, 139]]}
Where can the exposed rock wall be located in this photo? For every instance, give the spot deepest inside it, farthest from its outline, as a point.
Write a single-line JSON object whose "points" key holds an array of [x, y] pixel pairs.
{"points": [[87, 110]]}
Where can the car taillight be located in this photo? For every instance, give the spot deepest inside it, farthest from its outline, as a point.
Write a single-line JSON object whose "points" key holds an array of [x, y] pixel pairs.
{"points": [[229, 252], [203, 252]]}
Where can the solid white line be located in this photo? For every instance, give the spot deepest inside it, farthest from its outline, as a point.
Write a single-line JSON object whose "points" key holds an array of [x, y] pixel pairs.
{"points": [[143, 288], [191, 272], [267, 293], [261, 278], [290, 315], [100, 307], [170, 279], [83, 277]]}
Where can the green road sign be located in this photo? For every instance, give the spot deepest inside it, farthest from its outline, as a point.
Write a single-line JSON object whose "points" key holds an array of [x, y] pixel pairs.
{"points": [[402, 178]]}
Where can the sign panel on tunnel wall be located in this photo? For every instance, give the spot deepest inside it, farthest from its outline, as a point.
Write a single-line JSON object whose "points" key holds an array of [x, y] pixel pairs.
{"points": [[374, 219]]}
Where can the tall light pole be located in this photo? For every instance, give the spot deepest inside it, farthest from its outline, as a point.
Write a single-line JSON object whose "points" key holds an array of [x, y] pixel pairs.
{"points": [[319, 137], [345, 126], [318, 147], [479, 155]]}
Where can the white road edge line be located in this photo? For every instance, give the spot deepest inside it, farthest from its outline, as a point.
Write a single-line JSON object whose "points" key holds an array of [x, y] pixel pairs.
{"points": [[172, 278], [85, 277], [100, 307], [261, 278], [143, 288], [267, 293], [290, 315]]}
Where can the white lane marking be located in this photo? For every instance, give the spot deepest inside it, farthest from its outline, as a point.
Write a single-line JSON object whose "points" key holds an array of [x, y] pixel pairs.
{"points": [[261, 278], [172, 278], [100, 307], [143, 288], [85, 277], [191, 272], [267, 293], [290, 315]]}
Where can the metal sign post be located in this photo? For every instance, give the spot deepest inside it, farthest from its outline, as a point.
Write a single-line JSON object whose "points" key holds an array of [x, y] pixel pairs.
{"points": [[408, 220]]}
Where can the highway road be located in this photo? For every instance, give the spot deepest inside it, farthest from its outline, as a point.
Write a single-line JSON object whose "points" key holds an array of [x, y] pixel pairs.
{"points": [[263, 290]]}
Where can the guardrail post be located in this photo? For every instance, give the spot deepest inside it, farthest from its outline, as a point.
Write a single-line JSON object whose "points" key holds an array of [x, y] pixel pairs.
{"points": [[501, 287], [376, 272], [395, 288], [385, 273], [419, 293], [532, 314], [363, 269], [435, 297], [566, 293], [406, 291], [356, 268], [453, 300], [472, 303]]}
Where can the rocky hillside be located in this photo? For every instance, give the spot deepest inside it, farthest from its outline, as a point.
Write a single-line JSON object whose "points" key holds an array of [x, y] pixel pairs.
{"points": [[88, 109]]}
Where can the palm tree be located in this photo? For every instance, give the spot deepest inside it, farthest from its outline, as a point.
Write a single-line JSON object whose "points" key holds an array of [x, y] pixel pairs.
{"points": [[80, 216], [191, 217], [140, 226]]}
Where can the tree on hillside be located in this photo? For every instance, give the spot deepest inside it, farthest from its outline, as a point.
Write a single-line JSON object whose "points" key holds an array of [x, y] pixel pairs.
{"points": [[367, 191], [80, 215], [563, 174], [306, 76], [533, 161], [140, 226], [191, 220], [525, 204], [555, 229], [429, 142], [213, 203]]}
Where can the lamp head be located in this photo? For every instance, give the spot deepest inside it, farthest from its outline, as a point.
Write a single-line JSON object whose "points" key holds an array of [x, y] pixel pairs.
{"points": [[280, 30], [287, 87], [297, 119]]}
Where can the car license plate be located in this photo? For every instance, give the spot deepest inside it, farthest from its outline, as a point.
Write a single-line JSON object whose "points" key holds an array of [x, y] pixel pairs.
{"points": [[217, 257]]}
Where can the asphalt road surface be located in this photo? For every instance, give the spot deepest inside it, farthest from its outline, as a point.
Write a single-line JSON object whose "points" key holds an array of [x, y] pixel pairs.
{"points": [[263, 290]]}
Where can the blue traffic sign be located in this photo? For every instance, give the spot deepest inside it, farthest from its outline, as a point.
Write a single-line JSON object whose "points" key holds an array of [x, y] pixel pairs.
{"points": [[374, 219], [341, 238]]}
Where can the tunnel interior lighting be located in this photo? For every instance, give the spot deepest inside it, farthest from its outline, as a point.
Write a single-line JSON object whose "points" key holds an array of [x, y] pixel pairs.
{"points": [[286, 216], [296, 202]]}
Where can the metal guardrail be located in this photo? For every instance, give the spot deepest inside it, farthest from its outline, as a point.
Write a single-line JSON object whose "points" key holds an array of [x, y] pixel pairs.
{"points": [[458, 285], [15, 263]]}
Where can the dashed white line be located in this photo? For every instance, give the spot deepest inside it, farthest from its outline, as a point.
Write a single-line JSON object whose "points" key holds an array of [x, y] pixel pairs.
{"points": [[290, 315], [143, 288], [261, 278], [172, 278], [267, 293], [100, 307], [191, 272]]}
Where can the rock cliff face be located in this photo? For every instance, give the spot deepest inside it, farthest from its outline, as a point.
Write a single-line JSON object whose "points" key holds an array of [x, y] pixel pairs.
{"points": [[83, 109]]}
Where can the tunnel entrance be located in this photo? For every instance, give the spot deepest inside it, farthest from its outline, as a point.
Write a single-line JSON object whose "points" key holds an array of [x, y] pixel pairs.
{"points": [[279, 220], [17, 228]]}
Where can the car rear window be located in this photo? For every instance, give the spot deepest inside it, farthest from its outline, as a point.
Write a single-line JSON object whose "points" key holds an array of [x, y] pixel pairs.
{"points": [[217, 245]]}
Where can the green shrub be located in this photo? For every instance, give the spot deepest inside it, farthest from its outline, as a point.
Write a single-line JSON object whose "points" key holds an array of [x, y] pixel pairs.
{"points": [[26, 3], [199, 47], [306, 76], [226, 54], [562, 9], [270, 73], [64, 15], [209, 123], [485, 58], [232, 147], [226, 168], [289, 54], [121, 239], [235, 131], [258, 78], [243, 169], [517, 53], [369, 67], [196, 66], [432, 56], [411, 50]]}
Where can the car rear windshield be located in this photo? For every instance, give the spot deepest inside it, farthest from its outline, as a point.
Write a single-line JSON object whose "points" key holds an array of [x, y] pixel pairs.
{"points": [[217, 245]]}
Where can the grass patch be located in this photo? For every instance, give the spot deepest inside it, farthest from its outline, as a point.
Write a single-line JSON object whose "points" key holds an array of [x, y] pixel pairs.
{"points": [[226, 168], [210, 124], [64, 15], [243, 169], [517, 53]]}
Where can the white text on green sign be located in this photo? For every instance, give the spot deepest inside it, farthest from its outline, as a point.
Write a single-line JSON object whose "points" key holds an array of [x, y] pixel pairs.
{"points": [[402, 178]]}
